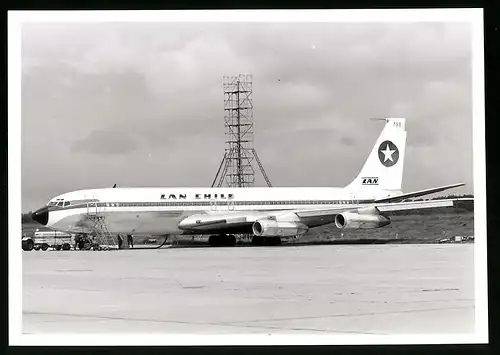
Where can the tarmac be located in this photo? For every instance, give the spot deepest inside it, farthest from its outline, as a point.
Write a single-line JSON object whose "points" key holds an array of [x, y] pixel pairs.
{"points": [[332, 289]]}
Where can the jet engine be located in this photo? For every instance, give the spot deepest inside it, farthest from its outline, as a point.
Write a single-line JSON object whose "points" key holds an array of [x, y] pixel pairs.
{"points": [[272, 228], [351, 220]]}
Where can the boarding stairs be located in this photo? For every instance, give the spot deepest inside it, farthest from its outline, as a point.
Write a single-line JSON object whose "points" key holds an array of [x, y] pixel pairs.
{"points": [[103, 237]]}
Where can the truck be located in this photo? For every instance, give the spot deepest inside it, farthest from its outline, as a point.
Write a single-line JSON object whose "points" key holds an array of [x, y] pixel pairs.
{"points": [[47, 239]]}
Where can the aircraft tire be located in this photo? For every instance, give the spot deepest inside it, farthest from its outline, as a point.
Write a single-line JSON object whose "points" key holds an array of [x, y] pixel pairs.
{"points": [[45, 246], [214, 240], [266, 241], [66, 246], [257, 240], [28, 245], [222, 240], [230, 240], [276, 241], [36, 247], [58, 247]]}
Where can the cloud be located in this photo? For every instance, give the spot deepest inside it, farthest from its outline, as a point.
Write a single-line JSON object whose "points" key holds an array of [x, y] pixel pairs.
{"points": [[348, 141], [106, 143]]}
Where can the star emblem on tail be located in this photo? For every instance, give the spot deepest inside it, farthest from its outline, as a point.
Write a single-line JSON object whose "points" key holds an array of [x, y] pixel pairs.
{"points": [[388, 153]]}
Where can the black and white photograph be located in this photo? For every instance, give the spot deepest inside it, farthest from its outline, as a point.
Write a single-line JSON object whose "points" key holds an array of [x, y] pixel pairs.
{"points": [[247, 177]]}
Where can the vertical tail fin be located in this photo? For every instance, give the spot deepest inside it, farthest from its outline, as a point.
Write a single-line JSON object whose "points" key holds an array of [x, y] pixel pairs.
{"points": [[383, 170]]}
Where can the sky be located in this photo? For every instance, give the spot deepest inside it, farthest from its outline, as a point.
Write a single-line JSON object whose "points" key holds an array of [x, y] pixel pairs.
{"points": [[141, 104]]}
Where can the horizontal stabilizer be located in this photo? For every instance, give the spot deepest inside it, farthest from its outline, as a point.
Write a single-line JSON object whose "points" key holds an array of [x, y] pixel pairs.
{"points": [[417, 193]]}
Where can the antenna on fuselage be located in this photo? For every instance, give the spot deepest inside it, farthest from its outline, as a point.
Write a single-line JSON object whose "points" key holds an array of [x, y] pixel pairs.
{"points": [[114, 186]]}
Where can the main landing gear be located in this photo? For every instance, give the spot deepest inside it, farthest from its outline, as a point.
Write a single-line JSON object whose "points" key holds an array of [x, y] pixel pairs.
{"points": [[222, 240], [266, 241]]}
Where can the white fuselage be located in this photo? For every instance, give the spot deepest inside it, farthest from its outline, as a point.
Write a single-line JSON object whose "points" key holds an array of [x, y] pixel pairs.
{"points": [[158, 211]]}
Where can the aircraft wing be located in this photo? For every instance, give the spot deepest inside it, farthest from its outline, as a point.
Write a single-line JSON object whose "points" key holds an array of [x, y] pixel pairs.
{"points": [[241, 222], [418, 193], [387, 208]]}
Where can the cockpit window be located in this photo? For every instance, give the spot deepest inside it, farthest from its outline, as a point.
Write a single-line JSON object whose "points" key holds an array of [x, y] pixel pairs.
{"points": [[59, 202]]}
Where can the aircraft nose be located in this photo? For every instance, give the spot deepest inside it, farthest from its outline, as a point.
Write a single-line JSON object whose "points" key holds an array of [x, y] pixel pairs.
{"points": [[41, 215]]}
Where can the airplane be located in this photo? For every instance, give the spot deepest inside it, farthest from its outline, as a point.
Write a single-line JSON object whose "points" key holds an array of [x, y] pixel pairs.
{"points": [[267, 213]]}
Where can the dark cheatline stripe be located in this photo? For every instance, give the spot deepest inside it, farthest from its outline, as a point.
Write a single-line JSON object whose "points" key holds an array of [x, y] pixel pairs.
{"points": [[210, 204]]}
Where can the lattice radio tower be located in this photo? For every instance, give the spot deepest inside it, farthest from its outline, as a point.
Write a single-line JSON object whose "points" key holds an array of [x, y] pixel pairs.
{"points": [[236, 166]]}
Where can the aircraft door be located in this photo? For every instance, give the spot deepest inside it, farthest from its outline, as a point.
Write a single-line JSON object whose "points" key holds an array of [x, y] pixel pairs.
{"points": [[213, 205], [230, 205], [93, 208]]}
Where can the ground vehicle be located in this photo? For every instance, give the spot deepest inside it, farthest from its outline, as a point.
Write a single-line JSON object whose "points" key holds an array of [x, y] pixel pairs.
{"points": [[85, 242], [45, 239]]}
